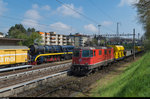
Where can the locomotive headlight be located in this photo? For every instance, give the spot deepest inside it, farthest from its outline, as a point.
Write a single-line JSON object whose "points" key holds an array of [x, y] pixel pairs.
{"points": [[80, 60], [74, 62]]}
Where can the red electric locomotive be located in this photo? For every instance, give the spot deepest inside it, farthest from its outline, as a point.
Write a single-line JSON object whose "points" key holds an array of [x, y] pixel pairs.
{"points": [[86, 59]]}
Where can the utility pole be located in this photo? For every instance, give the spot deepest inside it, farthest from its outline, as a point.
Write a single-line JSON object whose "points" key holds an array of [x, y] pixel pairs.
{"points": [[99, 34], [133, 44], [71, 29], [99, 29], [118, 30], [139, 37]]}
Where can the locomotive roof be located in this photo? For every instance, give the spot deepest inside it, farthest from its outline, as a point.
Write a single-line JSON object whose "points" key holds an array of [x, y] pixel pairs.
{"points": [[13, 47], [90, 48]]}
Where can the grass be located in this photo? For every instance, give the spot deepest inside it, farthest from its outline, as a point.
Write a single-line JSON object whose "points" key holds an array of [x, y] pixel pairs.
{"points": [[133, 82]]}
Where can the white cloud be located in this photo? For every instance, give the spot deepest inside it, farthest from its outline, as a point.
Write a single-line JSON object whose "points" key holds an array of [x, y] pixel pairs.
{"points": [[32, 14], [91, 28], [34, 24], [127, 2], [32, 17], [61, 28], [2, 7], [46, 7], [30, 23], [64, 10], [107, 23], [35, 6]]}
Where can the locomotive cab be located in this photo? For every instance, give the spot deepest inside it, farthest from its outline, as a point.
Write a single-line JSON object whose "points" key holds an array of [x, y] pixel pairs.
{"points": [[82, 58]]}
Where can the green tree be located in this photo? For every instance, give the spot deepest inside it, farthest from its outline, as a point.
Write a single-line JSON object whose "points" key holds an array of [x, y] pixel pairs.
{"points": [[29, 35], [94, 42], [30, 30], [16, 30], [35, 36], [143, 9]]}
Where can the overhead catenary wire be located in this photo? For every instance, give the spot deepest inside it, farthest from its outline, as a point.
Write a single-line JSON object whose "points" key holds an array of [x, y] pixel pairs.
{"points": [[88, 18], [47, 25], [77, 12], [100, 10], [67, 7], [14, 18]]}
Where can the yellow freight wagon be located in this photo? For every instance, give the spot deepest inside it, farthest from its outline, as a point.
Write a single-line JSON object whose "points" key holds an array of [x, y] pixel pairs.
{"points": [[138, 48], [118, 51], [13, 55]]}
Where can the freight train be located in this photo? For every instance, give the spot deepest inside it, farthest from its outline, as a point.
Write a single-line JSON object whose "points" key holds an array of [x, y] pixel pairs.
{"points": [[35, 54], [38, 54], [88, 59]]}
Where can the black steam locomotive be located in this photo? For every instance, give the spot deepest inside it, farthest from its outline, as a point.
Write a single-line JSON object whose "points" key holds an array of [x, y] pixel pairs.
{"points": [[49, 53]]}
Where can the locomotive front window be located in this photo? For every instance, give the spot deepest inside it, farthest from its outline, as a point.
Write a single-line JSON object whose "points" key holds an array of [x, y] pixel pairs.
{"points": [[109, 51], [100, 52], [105, 52], [76, 53], [87, 53], [91, 53]]}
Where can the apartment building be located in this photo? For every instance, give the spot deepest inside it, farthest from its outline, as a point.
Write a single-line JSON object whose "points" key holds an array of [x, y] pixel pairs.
{"points": [[78, 39], [52, 38], [1, 34]]}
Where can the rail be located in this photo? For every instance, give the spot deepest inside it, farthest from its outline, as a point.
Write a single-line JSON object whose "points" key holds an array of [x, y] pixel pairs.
{"points": [[33, 71], [11, 90], [14, 68]]}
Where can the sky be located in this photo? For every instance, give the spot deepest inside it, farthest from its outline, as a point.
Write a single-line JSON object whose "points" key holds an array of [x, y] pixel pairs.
{"points": [[71, 16]]}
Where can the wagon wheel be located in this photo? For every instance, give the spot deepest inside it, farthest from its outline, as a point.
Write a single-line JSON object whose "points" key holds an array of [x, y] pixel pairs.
{"points": [[66, 57], [88, 73]]}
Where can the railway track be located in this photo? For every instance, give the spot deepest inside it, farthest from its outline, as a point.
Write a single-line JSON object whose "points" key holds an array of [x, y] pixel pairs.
{"points": [[12, 81], [29, 75], [14, 89], [34, 67], [70, 85]]}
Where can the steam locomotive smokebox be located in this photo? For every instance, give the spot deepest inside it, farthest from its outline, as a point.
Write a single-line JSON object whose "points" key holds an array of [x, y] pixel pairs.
{"points": [[36, 49]]}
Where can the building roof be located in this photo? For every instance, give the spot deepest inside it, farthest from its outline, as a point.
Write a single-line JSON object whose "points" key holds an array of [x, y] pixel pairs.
{"points": [[1, 33], [10, 39], [90, 48], [13, 47], [41, 32]]}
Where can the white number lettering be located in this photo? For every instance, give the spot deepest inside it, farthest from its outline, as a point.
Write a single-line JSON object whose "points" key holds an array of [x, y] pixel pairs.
{"points": [[1, 59], [6, 59], [12, 59]]}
